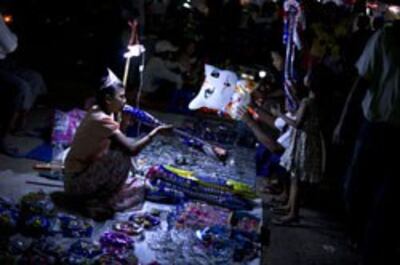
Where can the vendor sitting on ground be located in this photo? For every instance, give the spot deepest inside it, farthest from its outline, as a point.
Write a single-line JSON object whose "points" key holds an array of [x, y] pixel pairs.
{"points": [[99, 162]]}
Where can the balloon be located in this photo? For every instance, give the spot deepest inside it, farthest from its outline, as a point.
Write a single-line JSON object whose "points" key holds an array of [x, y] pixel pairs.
{"points": [[224, 92], [217, 89]]}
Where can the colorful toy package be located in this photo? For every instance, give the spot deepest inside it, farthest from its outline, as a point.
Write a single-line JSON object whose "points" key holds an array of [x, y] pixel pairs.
{"points": [[246, 224], [163, 179], [192, 180], [198, 215], [65, 125]]}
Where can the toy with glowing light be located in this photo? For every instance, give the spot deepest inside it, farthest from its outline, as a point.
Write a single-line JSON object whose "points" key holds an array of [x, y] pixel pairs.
{"points": [[224, 92]]}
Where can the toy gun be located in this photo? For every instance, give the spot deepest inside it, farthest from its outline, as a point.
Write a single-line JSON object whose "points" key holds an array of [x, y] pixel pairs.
{"points": [[149, 120]]}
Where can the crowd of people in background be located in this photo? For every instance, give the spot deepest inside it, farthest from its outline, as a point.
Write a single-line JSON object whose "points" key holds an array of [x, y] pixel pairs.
{"points": [[342, 46]]}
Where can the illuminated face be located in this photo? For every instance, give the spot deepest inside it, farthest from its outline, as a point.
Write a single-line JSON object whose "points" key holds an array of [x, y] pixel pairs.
{"points": [[118, 101]]}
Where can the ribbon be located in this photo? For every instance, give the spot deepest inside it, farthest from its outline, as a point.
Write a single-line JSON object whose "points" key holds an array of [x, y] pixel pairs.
{"points": [[294, 24]]}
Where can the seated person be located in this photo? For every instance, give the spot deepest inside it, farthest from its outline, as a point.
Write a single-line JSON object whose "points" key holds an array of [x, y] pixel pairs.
{"points": [[191, 71], [19, 89], [99, 162], [161, 75]]}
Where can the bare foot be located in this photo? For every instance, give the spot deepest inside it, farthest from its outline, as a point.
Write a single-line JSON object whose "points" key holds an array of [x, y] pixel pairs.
{"points": [[131, 195], [128, 203]]}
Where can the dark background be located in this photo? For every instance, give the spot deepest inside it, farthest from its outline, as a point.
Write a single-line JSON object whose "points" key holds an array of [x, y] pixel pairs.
{"points": [[68, 41]]}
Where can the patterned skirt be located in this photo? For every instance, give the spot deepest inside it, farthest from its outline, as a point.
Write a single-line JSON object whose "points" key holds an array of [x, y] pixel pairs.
{"points": [[305, 157], [103, 179]]}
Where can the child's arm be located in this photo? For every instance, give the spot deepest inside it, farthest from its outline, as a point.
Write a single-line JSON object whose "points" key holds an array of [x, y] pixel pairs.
{"points": [[298, 121]]}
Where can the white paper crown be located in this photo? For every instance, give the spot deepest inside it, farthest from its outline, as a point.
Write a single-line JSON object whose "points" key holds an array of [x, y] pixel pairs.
{"points": [[110, 80]]}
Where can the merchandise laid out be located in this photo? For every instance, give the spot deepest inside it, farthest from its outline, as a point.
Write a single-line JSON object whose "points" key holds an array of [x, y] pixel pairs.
{"points": [[196, 210]]}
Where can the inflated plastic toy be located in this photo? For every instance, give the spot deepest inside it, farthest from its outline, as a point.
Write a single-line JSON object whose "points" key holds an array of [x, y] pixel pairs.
{"points": [[241, 99], [217, 89], [224, 92]]}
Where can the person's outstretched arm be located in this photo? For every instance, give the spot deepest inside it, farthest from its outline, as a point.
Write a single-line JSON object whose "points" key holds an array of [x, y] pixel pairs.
{"points": [[261, 136], [265, 117], [298, 120], [134, 147]]}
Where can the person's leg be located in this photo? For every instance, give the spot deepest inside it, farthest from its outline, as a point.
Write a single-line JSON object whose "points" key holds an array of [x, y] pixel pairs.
{"points": [[293, 202], [11, 97], [35, 81], [37, 87], [360, 182], [292, 194], [20, 97], [285, 183], [263, 172], [131, 195], [382, 231], [98, 184]]}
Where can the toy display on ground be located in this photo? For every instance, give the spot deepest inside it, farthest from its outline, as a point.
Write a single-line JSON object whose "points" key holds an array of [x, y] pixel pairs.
{"points": [[207, 218]]}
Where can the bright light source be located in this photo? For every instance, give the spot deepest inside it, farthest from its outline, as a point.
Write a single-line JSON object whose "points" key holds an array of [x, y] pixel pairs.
{"points": [[394, 9], [247, 76], [262, 74], [187, 5], [134, 51], [8, 19]]}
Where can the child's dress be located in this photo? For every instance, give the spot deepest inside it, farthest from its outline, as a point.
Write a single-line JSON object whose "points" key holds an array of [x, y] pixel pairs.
{"points": [[305, 156]]}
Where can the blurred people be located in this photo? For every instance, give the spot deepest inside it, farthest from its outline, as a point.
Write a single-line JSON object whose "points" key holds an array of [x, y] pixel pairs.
{"points": [[377, 23], [157, 10], [359, 38], [19, 89], [161, 74], [372, 181], [191, 71]]}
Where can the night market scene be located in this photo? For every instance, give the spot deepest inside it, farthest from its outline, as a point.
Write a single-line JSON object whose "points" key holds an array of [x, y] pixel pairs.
{"points": [[199, 132]]}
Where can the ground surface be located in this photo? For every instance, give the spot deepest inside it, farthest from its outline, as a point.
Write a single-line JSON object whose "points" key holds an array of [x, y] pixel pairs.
{"points": [[318, 239]]}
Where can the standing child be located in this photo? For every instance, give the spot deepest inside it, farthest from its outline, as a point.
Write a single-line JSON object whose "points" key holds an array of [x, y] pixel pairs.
{"points": [[304, 158]]}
